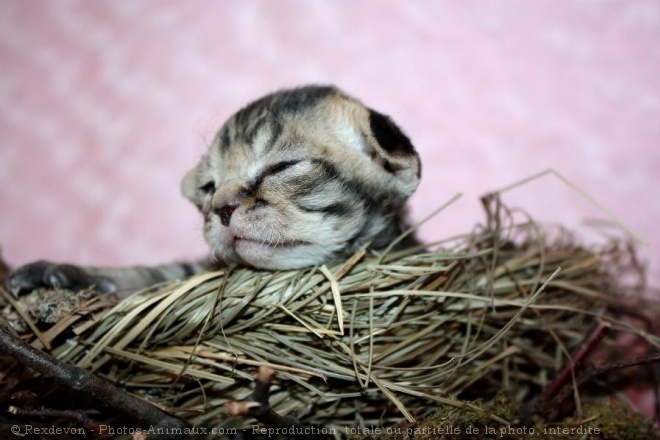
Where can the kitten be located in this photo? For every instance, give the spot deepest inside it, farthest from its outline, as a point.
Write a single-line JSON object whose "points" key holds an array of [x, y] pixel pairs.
{"points": [[297, 178]]}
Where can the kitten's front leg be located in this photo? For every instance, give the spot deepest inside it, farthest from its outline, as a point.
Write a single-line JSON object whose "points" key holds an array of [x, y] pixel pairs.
{"points": [[45, 274]]}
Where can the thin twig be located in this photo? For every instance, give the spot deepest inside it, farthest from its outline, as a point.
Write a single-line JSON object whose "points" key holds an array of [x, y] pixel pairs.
{"points": [[594, 371], [85, 382], [585, 349], [80, 416], [257, 405]]}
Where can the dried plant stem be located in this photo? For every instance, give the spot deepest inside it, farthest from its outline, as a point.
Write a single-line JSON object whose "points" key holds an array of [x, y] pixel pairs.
{"points": [[594, 371], [82, 380], [585, 349], [81, 416], [257, 405]]}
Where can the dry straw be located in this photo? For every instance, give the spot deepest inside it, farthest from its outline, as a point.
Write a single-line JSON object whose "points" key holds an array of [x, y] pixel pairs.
{"points": [[370, 340]]}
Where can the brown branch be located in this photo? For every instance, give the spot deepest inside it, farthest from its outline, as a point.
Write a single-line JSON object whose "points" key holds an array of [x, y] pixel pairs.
{"points": [[593, 371], [597, 370], [80, 416], [85, 382], [257, 405], [585, 349]]}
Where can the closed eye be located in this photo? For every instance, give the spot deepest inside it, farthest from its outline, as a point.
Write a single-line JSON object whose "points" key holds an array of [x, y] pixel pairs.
{"points": [[273, 169], [279, 167], [208, 188]]}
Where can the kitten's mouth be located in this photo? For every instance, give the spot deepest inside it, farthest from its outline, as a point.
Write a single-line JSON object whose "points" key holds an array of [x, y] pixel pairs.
{"points": [[276, 255], [272, 244]]}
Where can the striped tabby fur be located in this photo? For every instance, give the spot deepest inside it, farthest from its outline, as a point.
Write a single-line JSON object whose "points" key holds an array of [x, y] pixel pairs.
{"points": [[297, 178]]}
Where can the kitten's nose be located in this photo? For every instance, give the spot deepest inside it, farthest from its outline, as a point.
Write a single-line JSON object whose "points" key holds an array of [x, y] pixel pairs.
{"points": [[225, 213]]}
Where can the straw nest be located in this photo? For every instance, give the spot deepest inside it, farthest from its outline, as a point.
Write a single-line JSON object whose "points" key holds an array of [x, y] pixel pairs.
{"points": [[367, 341]]}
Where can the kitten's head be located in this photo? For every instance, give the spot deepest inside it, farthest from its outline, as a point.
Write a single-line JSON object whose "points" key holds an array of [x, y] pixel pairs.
{"points": [[302, 177]]}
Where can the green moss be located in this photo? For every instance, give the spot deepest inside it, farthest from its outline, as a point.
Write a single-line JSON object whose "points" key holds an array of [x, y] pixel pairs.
{"points": [[606, 421], [615, 422]]}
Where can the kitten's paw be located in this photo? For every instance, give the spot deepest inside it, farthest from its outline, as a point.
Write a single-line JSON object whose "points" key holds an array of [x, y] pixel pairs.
{"points": [[44, 274]]}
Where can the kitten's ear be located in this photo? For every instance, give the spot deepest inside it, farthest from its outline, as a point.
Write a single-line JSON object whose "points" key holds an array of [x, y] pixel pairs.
{"points": [[189, 185], [395, 152]]}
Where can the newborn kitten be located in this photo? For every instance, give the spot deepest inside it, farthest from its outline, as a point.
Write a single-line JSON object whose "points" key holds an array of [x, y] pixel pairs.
{"points": [[297, 178]]}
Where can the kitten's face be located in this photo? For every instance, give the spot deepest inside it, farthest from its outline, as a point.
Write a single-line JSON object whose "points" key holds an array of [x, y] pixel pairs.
{"points": [[302, 177]]}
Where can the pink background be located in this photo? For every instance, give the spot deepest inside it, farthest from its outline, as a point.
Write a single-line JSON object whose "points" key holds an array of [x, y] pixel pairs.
{"points": [[105, 105]]}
